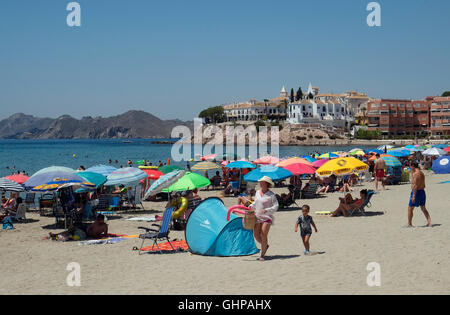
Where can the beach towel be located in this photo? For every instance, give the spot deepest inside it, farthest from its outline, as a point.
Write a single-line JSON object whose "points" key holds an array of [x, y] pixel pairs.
{"points": [[446, 182], [166, 248], [111, 239], [323, 212], [145, 219]]}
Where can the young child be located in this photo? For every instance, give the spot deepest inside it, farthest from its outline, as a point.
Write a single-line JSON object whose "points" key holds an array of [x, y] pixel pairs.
{"points": [[305, 221]]}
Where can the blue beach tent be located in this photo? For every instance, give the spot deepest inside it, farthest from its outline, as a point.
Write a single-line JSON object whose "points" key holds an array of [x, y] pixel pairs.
{"points": [[208, 232]]}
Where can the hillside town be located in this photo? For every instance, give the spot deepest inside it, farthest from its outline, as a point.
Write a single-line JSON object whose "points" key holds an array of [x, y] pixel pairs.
{"points": [[347, 113]]}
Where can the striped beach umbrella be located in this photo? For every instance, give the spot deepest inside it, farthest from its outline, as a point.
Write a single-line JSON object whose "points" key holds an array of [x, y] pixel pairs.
{"points": [[60, 183], [46, 177], [105, 170], [204, 166], [163, 182], [392, 161], [329, 155], [9, 185], [127, 176], [434, 152]]}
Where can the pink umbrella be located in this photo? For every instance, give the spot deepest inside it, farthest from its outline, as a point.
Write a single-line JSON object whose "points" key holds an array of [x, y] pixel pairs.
{"points": [[266, 160], [300, 169], [319, 163], [210, 157]]}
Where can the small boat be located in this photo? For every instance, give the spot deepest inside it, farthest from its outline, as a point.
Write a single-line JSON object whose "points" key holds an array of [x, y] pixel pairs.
{"points": [[127, 141]]}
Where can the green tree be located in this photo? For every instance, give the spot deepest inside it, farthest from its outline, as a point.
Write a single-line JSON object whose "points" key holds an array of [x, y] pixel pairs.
{"points": [[213, 115], [446, 94], [299, 94], [292, 98]]}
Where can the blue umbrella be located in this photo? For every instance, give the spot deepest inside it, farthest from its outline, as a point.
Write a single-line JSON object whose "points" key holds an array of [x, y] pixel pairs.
{"points": [[105, 170], [95, 178], [309, 158], [441, 165], [44, 178], [127, 176], [399, 153], [275, 173], [392, 161], [240, 164], [412, 148], [55, 169]]}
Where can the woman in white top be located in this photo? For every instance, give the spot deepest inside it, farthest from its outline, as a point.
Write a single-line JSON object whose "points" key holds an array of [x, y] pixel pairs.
{"points": [[265, 205]]}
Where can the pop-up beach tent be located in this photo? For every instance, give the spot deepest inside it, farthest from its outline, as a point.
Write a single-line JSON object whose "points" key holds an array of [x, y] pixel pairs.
{"points": [[209, 233]]}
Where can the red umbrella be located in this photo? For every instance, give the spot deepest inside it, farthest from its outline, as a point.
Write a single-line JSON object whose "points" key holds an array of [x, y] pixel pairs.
{"points": [[18, 178], [266, 160], [300, 169], [153, 174], [447, 149]]}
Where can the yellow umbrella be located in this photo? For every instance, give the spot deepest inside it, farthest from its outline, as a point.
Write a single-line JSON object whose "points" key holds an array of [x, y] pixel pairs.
{"points": [[204, 166], [342, 166], [357, 152], [294, 161]]}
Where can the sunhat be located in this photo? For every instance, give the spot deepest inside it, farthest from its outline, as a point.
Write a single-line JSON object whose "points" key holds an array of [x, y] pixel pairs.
{"points": [[268, 180]]}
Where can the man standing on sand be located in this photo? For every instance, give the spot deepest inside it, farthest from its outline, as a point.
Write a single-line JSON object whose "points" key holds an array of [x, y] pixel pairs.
{"points": [[379, 168], [418, 196]]}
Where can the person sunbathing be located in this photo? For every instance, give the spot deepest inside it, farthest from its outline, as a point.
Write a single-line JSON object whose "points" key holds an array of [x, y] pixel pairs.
{"points": [[348, 203], [247, 200], [98, 229]]}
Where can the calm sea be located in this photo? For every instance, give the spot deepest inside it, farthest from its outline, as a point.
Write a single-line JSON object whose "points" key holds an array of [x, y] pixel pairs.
{"points": [[33, 155]]}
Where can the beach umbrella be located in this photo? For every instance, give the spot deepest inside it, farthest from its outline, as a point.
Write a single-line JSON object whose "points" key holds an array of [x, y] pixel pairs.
{"points": [[399, 153], [210, 157], [412, 148], [59, 183], [422, 147], [163, 182], [204, 166], [95, 178], [441, 165], [188, 182], [309, 158], [391, 161], [53, 169], [46, 177], [140, 162], [329, 155], [294, 161], [127, 176], [447, 149], [9, 185], [319, 163], [166, 169], [240, 164], [105, 170], [275, 173], [434, 152], [267, 160], [357, 153], [385, 147], [441, 146], [153, 174], [356, 149], [342, 166], [300, 169], [18, 178]]}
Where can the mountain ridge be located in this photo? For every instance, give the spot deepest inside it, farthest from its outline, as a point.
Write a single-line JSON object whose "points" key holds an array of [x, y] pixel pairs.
{"points": [[131, 124]]}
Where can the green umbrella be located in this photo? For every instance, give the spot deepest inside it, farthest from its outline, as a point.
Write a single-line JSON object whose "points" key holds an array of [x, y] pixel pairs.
{"points": [[188, 182], [141, 162], [166, 169]]}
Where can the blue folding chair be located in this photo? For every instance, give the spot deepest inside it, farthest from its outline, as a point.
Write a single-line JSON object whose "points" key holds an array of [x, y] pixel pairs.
{"points": [[162, 233], [366, 203]]}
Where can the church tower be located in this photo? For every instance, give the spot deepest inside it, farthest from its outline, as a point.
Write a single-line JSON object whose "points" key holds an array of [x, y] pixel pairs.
{"points": [[284, 93]]}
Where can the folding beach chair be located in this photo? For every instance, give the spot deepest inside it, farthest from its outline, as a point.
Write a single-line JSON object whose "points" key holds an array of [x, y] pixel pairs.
{"points": [[162, 233], [366, 203], [311, 192], [30, 200], [138, 197], [114, 203]]}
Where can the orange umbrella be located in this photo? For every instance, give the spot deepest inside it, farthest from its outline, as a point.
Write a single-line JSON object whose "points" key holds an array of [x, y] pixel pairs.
{"points": [[294, 161]]}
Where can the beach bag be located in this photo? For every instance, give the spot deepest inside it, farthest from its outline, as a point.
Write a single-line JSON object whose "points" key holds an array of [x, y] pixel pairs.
{"points": [[8, 224], [249, 220]]}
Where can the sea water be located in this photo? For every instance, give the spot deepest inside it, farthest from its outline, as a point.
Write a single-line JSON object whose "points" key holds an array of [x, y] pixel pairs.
{"points": [[33, 155]]}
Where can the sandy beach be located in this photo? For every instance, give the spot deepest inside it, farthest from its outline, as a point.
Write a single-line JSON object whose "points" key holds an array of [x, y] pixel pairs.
{"points": [[412, 261]]}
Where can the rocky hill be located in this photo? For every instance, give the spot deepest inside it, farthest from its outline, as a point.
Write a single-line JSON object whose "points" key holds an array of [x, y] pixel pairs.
{"points": [[132, 124]]}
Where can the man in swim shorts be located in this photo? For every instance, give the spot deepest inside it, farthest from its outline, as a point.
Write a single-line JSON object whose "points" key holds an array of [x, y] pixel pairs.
{"points": [[379, 168], [418, 197]]}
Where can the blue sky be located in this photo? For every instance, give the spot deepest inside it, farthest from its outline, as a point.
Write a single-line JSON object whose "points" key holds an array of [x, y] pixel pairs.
{"points": [[175, 58]]}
